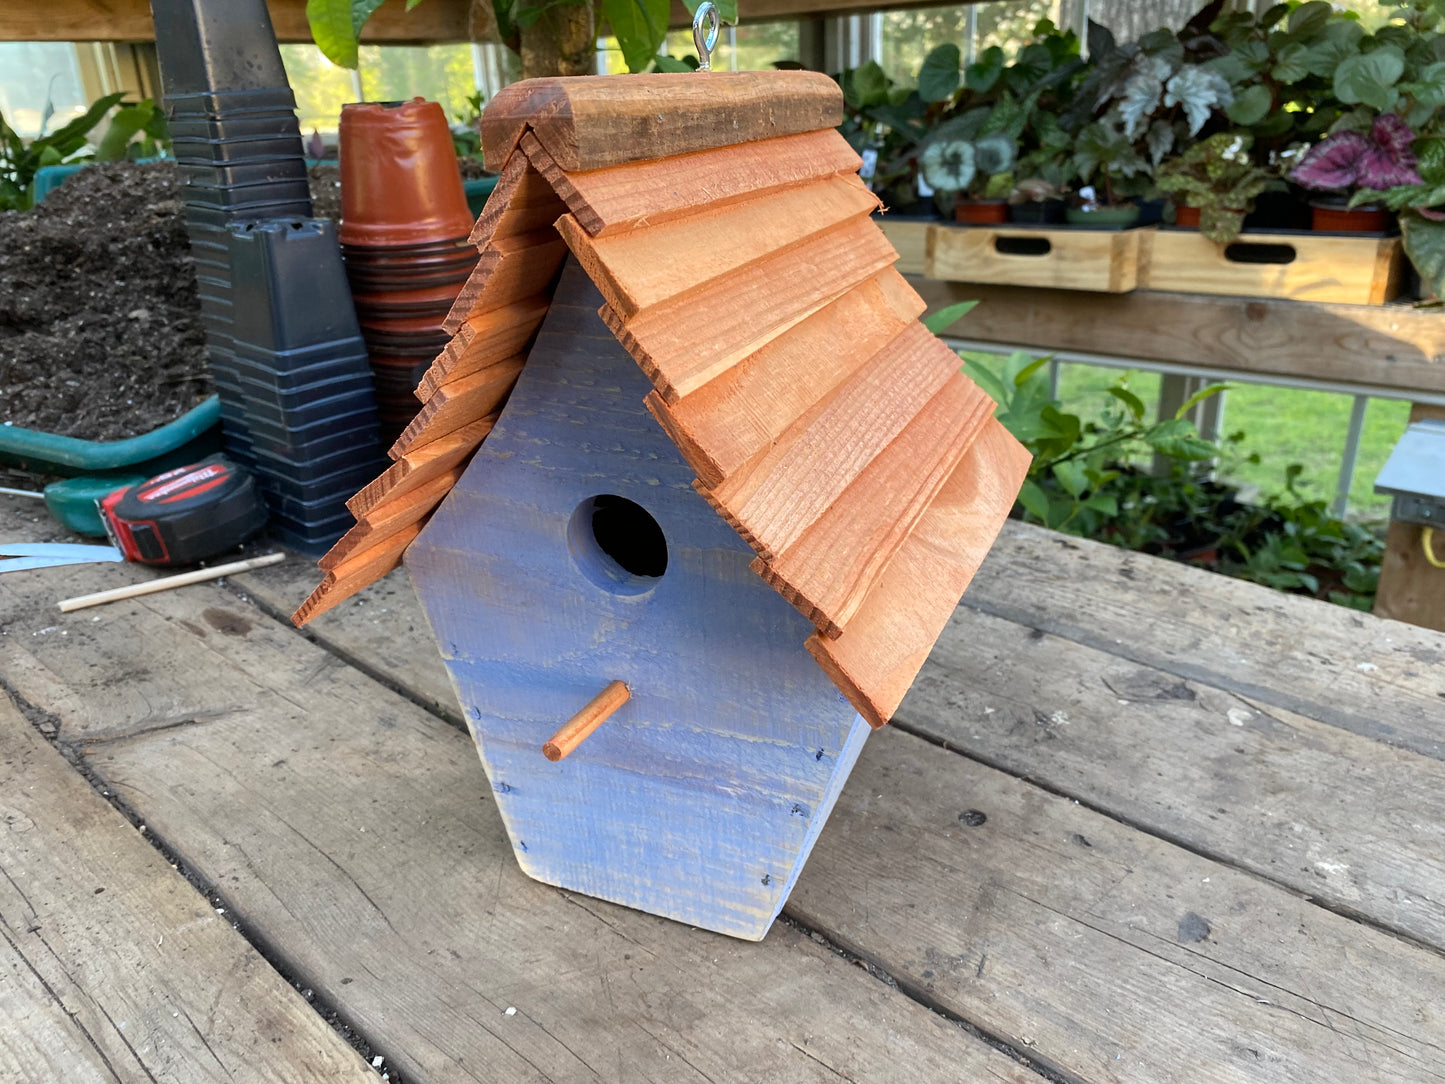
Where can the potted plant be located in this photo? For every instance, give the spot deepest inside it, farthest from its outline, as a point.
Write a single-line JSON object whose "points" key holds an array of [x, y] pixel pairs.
{"points": [[1214, 184], [1112, 175], [1348, 161], [972, 172]]}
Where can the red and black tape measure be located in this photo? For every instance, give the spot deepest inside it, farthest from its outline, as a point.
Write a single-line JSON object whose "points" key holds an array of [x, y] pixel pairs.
{"points": [[184, 515]]}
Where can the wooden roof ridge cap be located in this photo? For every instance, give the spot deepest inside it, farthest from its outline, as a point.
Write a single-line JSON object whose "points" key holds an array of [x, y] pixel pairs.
{"points": [[591, 121]]}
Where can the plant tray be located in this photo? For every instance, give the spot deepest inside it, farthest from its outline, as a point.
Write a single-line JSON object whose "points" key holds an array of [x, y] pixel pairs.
{"points": [[1298, 265], [1064, 258], [910, 237]]}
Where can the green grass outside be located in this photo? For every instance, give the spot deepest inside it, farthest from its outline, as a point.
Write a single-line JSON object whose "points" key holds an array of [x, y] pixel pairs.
{"points": [[1283, 425]]}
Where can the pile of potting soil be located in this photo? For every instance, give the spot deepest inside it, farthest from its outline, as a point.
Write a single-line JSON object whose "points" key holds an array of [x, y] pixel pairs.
{"points": [[100, 326]]}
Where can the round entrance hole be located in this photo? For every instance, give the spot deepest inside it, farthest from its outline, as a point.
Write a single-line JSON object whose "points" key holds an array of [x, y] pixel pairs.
{"points": [[617, 544]]}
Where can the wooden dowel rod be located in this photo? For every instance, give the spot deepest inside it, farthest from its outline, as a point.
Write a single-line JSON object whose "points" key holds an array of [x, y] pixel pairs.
{"points": [[165, 584], [21, 492], [598, 710]]}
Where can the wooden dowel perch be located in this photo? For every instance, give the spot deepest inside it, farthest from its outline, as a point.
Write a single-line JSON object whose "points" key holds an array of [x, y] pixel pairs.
{"points": [[168, 582], [598, 710]]}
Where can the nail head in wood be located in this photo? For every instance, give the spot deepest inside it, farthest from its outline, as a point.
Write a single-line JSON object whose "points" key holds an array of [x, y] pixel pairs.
{"points": [[598, 710]]}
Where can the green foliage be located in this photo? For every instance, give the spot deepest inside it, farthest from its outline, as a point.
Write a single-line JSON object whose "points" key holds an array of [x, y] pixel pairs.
{"points": [[20, 160], [1084, 481], [466, 131], [1218, 177]]}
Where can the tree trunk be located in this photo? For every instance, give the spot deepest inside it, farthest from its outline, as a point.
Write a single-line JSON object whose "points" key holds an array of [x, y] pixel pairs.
{"points": [[562, 42]]}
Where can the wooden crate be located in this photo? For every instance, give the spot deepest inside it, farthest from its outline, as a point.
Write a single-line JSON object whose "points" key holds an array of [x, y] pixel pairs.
{"points": [[910, 237], [1103, 261], [1299, 266]]}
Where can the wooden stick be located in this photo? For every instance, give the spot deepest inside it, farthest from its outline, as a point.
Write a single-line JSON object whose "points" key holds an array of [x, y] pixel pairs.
{"points": [[21, 492], [201, 575], [598, 710]]}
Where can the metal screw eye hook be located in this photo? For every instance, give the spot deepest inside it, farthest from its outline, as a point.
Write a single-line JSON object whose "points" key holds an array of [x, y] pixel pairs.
{"points": [[705, 39]]}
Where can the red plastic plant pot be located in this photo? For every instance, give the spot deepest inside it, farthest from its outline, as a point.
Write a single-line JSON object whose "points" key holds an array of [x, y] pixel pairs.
{"points": [[1333, 218], [400, 183], [981, 212], [1186, 217]]}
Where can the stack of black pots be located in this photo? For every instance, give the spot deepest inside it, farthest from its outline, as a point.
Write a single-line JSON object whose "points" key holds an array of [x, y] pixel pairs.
{"points": [[238, 146], [300, 363]]}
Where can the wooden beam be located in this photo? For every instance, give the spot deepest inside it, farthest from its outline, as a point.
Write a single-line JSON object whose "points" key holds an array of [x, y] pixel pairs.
{"points": [[431, 22], [1389, 346], [130, 20]]}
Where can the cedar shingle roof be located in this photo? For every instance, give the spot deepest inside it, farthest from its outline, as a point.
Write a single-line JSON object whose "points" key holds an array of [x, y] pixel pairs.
{"points": [[744, 275]]}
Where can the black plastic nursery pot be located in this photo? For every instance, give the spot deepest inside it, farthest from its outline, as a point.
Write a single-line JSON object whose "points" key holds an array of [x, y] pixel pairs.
{"points": [[1049, 212]]}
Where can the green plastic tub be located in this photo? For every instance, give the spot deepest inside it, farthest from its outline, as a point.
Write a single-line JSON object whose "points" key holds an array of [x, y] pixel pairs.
{"points": [[194, 435]]}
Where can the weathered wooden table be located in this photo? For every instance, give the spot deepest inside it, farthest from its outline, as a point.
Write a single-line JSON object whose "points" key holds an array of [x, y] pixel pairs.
{"points": [[1135, 823]]}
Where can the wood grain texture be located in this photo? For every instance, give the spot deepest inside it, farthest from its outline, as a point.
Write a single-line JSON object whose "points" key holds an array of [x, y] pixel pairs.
{"points": [[420, 465], [1107, 953], [650, 266], [484, 340], [1392, 346], [522, 202], [778, 495], [1380, 679], [591, 122], [358, 570], [1412, 589], [533, 618], [1265, 789], [607, 201], [1337, 269], [112, 967], [323, 803], [1109, 261], [459, 402], [389, 517], [737, 415], [683, 346], [829, 571], [511, 269], [879, 654]]}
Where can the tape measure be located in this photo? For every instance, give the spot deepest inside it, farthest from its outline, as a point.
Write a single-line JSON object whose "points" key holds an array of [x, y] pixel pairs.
{"points": [[184, 515]]}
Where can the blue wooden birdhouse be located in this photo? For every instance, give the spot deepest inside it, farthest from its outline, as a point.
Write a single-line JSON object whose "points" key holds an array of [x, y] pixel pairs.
{"points": [[691, 493]]}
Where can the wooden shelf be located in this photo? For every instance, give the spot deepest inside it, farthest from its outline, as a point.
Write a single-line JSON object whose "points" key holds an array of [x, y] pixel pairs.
{"points": [[1390, 346], [433, 21]]}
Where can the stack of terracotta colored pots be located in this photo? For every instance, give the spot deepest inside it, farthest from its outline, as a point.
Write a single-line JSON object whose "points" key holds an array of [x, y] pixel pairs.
{"points": [[404, 228]]}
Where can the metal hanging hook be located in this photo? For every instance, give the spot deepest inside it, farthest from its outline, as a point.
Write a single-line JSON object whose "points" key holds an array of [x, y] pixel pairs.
{"points": [[706, 15]]}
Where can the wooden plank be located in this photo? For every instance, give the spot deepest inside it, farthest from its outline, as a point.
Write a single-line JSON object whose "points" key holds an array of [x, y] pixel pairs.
{"points": [[735, 416], [484, 340], [1071, 259], [130, 20], [590, 122], [112, 967], [459, 402], [829, 571], [511, 269], [880, 652], [351, 797], [1258, 787], [1380, 679], [910, 238], [389, 517], [1411, 588], [783, 491], [357, 571], [1108, 954], [655, 265], [421, 465], [607, 201], [522, 202], [681, 347], [1307, 267], [1393, 346]]}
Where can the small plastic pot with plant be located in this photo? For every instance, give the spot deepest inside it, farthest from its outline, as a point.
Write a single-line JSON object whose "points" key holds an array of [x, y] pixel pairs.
{"points": [[1216, 181], [969, 168], [1354, 167]]}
